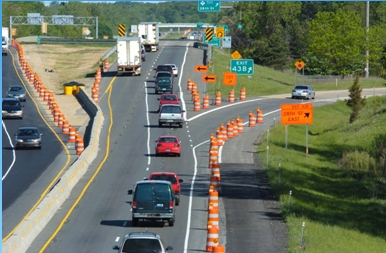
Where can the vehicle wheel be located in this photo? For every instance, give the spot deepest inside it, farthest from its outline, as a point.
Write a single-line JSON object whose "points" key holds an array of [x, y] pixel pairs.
{"points": [[179, 154], [156, 92], [159, 124], [177, 202], [40, 147], [171, 222], [292, 97], [180, 126], [135, 222]]}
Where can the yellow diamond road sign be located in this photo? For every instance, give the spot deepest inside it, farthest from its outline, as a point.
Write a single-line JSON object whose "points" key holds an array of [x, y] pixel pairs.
{"points": [[299, 64], [236, 55], [220, 31]]}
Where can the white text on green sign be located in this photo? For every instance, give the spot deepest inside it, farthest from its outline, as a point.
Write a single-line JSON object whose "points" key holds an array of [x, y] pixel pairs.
{"points": [[242, 66], [208, 6]]}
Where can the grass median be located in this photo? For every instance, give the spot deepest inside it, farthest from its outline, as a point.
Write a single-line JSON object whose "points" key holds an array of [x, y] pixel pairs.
{"points": [[343, 206]]}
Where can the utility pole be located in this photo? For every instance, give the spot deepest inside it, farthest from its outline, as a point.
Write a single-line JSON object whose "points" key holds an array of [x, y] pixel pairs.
{"points": [[367, 38]]}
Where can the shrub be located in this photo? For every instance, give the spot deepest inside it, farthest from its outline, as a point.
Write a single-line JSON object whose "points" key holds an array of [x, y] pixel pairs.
{"points": [[358, 164]]}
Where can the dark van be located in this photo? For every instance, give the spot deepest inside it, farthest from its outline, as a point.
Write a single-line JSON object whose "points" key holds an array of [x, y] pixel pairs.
{"points": [[153, 200]]}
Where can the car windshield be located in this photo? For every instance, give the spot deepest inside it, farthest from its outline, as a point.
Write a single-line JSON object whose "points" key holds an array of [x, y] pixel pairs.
{"points": [[10, 104], [169, 98], [144, 245], [164, 68], [171, 109], [153, 191], [28, 132], [163, 75], [164, 80], [167, 139], [164, 177], [15, 88]]}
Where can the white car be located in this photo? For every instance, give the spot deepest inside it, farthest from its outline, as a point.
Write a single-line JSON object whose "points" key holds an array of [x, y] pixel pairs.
{"points": [[175, 69]]}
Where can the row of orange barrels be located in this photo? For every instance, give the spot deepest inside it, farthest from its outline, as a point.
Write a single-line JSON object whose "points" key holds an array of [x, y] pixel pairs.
{"points": [[192, 86], [223, 134], [97, 81], [48, 97]]}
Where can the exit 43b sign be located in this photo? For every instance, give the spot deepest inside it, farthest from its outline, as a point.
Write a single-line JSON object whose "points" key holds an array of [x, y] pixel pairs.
{"points": [[242, 66], [296, 114]]}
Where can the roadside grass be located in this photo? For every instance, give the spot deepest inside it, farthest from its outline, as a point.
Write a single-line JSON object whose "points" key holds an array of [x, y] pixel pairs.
{"points": [[266, 81], [342, 213]]}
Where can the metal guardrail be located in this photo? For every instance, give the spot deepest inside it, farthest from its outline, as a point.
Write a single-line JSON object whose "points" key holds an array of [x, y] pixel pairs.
{"points": [[110, 52]]}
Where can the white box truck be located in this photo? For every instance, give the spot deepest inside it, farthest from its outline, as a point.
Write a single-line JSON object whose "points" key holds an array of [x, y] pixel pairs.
{"points": [[129, 55], [5, 40], [149, 33]]}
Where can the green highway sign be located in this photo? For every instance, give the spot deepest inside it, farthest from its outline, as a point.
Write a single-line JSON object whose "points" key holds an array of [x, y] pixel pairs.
{"points": [[214, 42], [208, 6], [242, 66]]}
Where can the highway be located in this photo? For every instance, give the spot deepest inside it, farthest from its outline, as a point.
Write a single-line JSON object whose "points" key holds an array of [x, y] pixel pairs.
{"points": [[26, 173], [97, 215]]}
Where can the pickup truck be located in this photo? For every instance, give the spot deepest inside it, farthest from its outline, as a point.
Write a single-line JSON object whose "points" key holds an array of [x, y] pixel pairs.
{"points": [[171, 114], [163, 84]]}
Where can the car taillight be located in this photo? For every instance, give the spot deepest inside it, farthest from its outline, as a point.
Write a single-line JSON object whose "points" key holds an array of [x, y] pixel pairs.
{"points": [[171, 204], [176, 145], [134, 205], [159, 145], [293, 90], [182, 115]]}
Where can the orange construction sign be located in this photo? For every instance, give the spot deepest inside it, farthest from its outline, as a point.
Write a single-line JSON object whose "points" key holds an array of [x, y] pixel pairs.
{"points": [[299, 64], [209, 78], [229, 78], [296, 114], [201, 68]]}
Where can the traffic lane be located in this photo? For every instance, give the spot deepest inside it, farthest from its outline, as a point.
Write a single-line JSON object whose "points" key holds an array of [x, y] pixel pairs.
{"points": [[105, 203]]}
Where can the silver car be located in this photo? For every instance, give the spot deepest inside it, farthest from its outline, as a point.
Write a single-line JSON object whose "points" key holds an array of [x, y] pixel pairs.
{"points": [[142, 242], [28, 137], [303, 91], [12, 108], [16, 91], [175, 69]]}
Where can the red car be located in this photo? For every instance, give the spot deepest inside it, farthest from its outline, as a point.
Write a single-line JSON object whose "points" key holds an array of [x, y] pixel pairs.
{"points": [[168, 99], [168, 145], [171, 177]]}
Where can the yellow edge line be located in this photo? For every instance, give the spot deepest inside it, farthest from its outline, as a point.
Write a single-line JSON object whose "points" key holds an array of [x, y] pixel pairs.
{"points": [[60, 172], [91, 179]]}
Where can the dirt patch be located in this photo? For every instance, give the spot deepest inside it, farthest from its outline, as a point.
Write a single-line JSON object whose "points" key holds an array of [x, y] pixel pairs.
{"points": [[60, 64]]}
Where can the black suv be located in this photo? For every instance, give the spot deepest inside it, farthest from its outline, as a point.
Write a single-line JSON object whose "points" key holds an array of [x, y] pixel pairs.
{"points": [[153, 200], [142, 242]]}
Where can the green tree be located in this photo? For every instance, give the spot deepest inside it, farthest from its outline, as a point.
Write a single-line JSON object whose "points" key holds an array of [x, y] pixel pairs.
{"points": [[355, 102], [338, 38]]}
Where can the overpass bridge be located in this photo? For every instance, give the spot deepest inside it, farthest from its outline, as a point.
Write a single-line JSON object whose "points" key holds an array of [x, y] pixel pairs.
{"points": [[185, 25]]}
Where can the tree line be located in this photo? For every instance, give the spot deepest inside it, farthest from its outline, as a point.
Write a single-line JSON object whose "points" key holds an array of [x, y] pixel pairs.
{"points": [[331, 37]]}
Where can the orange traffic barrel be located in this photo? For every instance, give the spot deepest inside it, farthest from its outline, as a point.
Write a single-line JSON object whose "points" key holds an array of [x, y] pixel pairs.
{"points": [[79, 144], [190, 84], [218, 249], [60, 120], [240, 125], [31, 77], [214, 181], [213, 216], [218, 99], [219, 137], [212, 238], [46, 95], [42, 91], [66, 127], [213, 198], [224, 132], [106, 64], [235, 128], [213, 144], [243, 94], [72, 134], [259, 116], [231, 96], [56, 114], [213, 158], [197, 106], [216, 170], [206, 102], [229, 130], [95, 95], [252, 119]]}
